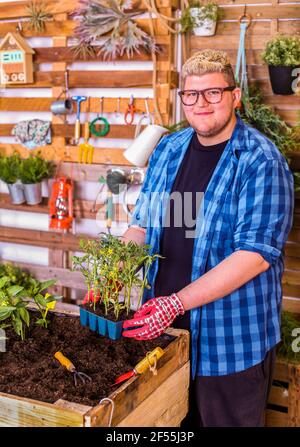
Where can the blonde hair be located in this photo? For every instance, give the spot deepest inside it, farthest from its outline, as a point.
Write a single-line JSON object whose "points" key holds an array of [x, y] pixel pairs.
{"points": [[209, 61]]}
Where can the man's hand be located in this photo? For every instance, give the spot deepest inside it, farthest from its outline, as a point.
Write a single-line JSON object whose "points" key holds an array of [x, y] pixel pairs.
{"points": [[154, 317]]}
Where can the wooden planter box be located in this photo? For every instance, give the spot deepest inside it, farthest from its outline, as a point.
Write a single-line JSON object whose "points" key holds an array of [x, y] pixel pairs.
{"points": [[146, 401], [283, 408]]}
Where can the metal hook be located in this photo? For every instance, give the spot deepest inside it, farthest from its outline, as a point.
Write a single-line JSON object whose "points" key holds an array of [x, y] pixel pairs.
{"points": [[118, 112], [112, 408], [67, 82], [147, 106], [19, 27], [101, 105]]}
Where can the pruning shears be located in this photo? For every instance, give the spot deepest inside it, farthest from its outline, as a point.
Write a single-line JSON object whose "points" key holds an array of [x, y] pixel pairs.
{"points": [[149, 361], [64, 361], [130, 111]]}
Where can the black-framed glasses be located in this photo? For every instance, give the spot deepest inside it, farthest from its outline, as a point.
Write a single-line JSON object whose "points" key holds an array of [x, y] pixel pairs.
{"points": [[211, 95]]}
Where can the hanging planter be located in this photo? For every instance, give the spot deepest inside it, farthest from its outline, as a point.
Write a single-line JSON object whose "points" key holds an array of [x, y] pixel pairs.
{"points": [[201, 19], [282, 78], [108, 301], [203, 26], [282, 55]]}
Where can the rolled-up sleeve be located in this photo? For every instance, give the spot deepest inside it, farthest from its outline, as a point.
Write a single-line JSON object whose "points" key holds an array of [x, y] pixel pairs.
{"points": [[265, 209]]}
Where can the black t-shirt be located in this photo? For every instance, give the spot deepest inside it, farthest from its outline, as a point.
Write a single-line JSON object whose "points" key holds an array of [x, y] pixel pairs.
{"points": [[194, 174]]}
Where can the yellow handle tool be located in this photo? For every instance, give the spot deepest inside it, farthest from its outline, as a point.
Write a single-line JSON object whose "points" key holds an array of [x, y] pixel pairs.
{"points": [[147, 362], [64, 361]]}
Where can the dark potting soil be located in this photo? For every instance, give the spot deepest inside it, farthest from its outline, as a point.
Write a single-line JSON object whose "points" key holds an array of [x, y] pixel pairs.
{"points": [[100, 311], [28, 368]]}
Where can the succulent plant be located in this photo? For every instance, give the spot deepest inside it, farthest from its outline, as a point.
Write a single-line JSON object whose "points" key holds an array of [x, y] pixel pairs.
{"points": [[106, 29]]}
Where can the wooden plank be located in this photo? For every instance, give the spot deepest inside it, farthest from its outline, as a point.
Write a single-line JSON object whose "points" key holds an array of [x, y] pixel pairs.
{"points": [[24, 412], [139, 388], [108, 79], [152, 411], [278, 396], [41, 238], [83, 209], [281, 372], [48, 55], [294, 396], [110, 105], [67, 130], [66, 28], [276, 419], [64, 277], [291, 304], [111, 156], [291, 290], [291, 277], [18, 9]]}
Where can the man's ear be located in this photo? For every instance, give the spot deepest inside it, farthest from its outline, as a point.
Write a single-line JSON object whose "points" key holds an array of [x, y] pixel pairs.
{"points": [[237, 94]]}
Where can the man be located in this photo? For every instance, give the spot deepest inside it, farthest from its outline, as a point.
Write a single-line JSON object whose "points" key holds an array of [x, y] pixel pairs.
{"points": [[223, 282]]}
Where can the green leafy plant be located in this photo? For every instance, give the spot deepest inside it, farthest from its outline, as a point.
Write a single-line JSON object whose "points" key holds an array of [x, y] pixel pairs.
{"points": [[10, 168], [18, 290], [267, 121], [208, 11], [34, 169], [38, 16], [283, 50], [297, 181], [15, 275], [108, 19], [111, 268], [13, 305], [43, 302], [285, 348]]}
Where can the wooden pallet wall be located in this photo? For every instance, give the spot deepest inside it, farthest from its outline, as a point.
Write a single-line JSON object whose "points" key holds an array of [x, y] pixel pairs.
{"points": [[269, 18], [60, 56]]}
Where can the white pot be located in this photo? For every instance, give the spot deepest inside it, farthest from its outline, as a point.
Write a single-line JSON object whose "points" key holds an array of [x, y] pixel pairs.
{"points": [[143, 145], [203, 27]]}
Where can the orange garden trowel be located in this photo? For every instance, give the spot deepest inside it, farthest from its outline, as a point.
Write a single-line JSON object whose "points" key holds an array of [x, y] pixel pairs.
{"points": [[149, 361]]}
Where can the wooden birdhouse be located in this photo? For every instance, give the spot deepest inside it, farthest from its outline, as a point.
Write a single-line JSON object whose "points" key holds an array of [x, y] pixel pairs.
{"points": [[16, 65]]}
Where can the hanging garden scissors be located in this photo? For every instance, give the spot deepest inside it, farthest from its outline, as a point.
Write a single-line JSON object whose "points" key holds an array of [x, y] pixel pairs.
{"points": [[130, 111]]}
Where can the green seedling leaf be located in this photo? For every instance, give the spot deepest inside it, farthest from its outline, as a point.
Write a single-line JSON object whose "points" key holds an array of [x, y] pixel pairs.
{"points": [[14, 290]]}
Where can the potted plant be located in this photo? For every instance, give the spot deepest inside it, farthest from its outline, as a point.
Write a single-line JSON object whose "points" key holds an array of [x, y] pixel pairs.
{"points": [[201, 18], [33, 170], [111, 270], [9, 173], [282, 55]]}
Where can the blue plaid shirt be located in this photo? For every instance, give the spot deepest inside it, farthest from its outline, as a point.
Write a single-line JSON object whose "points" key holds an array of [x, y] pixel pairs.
{"points": [[248, 205]]}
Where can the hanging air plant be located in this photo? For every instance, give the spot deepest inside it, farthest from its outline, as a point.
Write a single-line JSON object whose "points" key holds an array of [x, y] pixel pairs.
{"points": [[38, 16], [106, 20]]}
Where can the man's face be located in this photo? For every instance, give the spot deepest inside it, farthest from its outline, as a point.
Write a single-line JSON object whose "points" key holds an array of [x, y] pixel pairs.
{"points": [[210, 119]]}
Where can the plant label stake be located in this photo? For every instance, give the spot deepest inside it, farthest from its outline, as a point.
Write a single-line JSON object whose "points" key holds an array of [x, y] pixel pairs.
{"points": [[149, 361], [64, 361]]}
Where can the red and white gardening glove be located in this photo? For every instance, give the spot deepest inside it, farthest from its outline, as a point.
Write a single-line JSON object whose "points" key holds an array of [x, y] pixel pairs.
{"points": [[154, 317]]}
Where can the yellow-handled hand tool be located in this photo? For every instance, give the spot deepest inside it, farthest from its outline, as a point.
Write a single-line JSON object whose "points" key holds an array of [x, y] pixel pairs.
{"points": [[64, 361], [149, 361]]}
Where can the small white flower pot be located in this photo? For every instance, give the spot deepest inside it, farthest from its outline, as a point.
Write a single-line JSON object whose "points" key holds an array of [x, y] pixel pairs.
{"points": [[203, 27]]}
